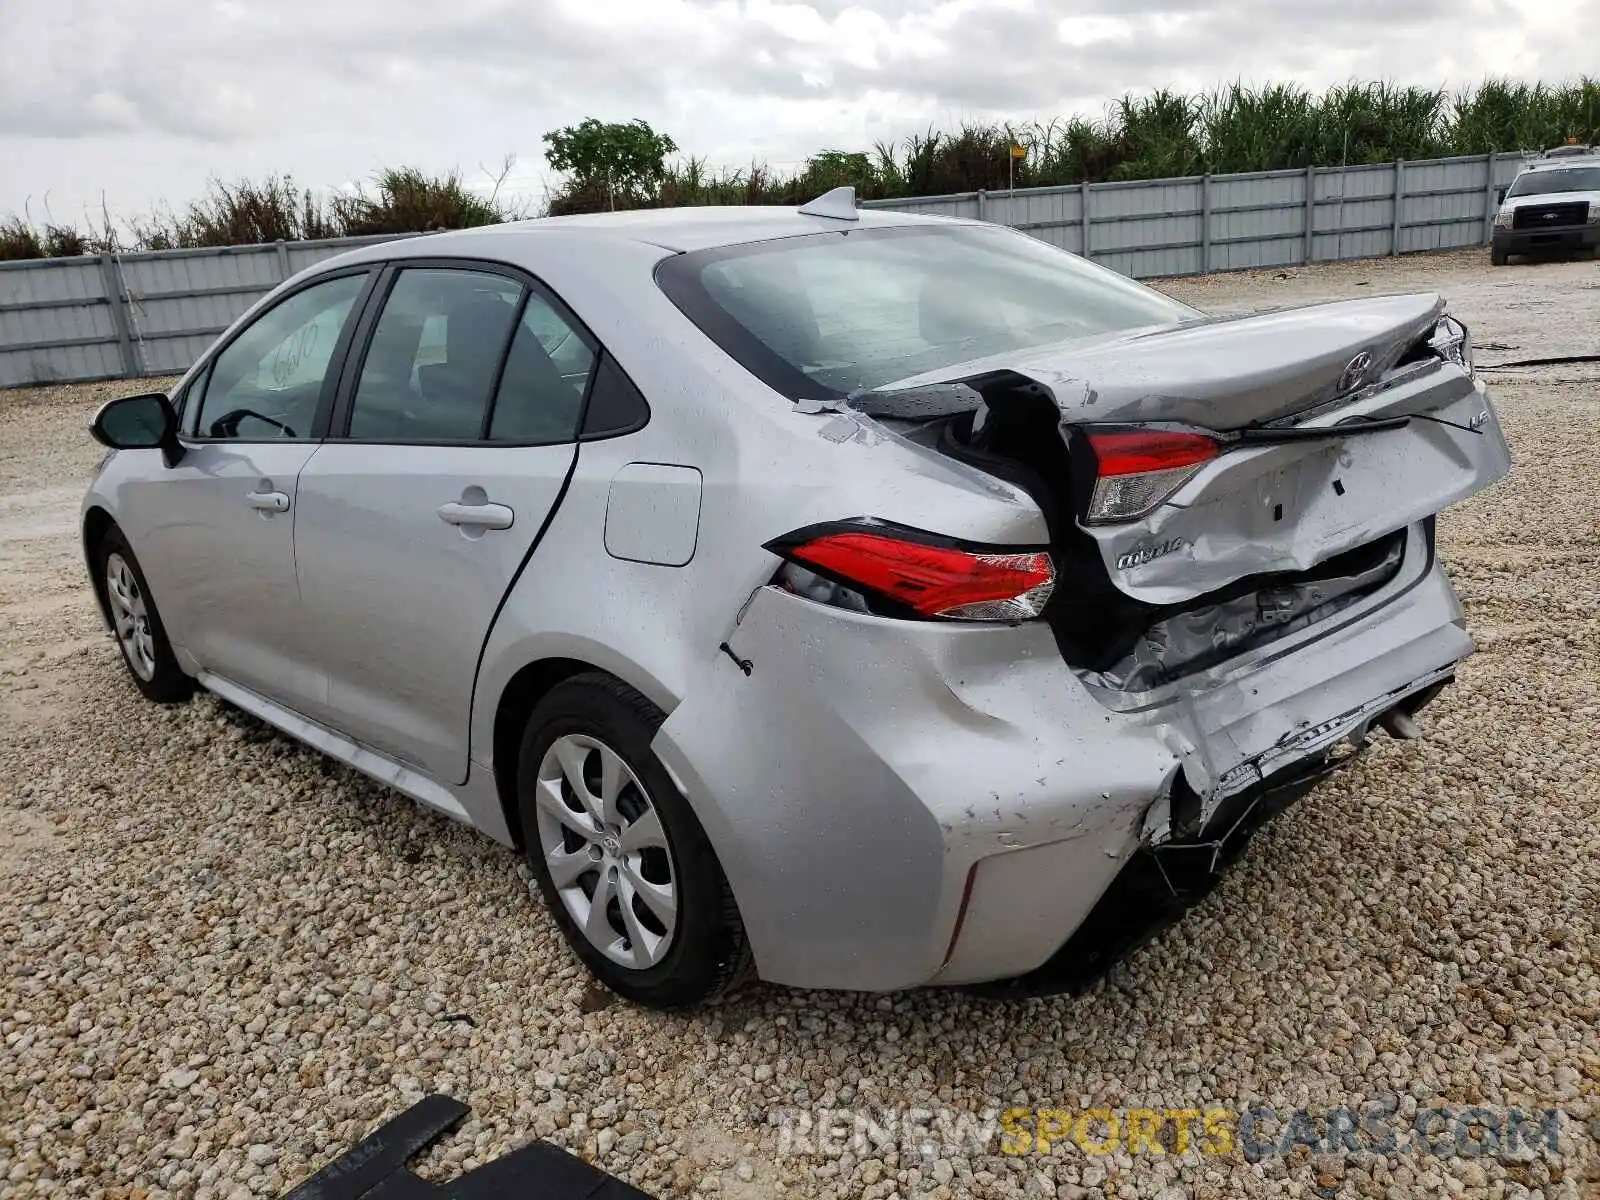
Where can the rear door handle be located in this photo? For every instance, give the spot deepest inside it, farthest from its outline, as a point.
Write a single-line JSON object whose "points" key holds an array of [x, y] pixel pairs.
{"points": [[268, 501], [477, 516]]}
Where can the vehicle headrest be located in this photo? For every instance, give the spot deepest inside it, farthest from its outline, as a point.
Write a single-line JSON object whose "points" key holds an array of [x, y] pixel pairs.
{"points": [[475, 333]]}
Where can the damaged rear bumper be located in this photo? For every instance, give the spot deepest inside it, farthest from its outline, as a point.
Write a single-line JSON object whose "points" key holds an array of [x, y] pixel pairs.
{"points": [[902, 803], [1254, 715], [1250, 738], [1161, 883]]}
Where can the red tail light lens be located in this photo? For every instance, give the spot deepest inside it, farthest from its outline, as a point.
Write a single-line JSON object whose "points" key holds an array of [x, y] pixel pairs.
{"points": [[1137, 470], [931, 580], [1139, 452]]}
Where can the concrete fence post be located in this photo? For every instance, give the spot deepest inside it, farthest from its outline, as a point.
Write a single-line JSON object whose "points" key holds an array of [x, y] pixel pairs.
{"points": [[1205, 224], [1399, 206], [1087, 251], [283, 255], [1311, 215], [117, 299], [1490, 208]]}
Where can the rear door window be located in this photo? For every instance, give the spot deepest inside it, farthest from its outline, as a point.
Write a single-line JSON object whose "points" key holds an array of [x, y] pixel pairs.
{"points": [[435, 357], [546, 377]]}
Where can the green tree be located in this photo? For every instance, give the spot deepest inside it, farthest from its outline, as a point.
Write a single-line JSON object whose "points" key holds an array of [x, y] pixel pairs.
{"points": [[624, 162]]}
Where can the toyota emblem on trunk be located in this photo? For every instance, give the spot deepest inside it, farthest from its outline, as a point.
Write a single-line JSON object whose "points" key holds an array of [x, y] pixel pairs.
{"points": [[1355, 372]]}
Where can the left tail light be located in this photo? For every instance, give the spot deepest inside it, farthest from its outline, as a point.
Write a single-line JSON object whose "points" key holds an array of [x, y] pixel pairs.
{"points": [[910, 573]]}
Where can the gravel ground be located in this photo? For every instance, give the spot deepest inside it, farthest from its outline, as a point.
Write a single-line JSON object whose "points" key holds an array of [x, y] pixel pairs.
{"points": [[223, 959]]}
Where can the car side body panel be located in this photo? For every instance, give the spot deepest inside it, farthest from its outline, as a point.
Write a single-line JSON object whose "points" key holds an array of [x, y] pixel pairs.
{"points": [[396, 602], [241, 619], [765, 467]]}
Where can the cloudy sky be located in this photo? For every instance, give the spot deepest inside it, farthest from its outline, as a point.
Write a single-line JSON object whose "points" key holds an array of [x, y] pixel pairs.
{"points": [[142, 100]]}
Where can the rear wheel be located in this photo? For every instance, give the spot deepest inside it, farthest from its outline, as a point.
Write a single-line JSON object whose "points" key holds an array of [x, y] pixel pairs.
{"points": [[140, 635], [623, 865]]}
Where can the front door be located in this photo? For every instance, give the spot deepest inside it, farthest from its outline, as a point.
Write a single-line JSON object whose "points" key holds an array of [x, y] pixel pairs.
{"points": [[217, 533], [459, 433]]}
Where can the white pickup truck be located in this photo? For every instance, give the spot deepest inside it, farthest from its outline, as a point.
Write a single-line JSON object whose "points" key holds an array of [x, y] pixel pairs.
{"points": [[1553, 206]]}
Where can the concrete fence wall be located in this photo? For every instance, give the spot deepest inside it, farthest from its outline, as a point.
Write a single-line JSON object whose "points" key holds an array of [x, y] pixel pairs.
{"points": [[118, 316], [1167, 227], [127, 315]]}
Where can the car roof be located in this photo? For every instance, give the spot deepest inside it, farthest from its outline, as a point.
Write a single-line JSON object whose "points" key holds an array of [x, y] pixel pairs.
{"points": [[1590, 159], [681, 229]]}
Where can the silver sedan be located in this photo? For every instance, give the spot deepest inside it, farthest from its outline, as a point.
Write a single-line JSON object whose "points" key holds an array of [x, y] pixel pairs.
{"points": [[848, 599]]}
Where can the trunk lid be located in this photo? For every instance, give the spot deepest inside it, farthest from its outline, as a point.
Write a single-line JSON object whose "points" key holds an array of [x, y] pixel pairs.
{"points": [[1223, 373], [1338, 424]]}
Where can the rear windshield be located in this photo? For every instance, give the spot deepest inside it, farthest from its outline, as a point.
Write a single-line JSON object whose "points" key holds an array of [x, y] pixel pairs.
{"points": [[1568, 179], [824, 315]]}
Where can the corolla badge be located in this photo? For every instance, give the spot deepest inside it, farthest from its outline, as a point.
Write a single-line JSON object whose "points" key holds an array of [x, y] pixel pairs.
{"points": [[1149, 552], [1355, 372]]}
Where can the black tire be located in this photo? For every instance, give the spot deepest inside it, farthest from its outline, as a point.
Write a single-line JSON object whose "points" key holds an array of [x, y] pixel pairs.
{"points": [[166, 684], [708, 955], [1498, 257]]}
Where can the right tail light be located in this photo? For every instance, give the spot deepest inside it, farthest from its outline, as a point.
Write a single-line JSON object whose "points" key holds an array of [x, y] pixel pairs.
{"points": [[1138, 469]]}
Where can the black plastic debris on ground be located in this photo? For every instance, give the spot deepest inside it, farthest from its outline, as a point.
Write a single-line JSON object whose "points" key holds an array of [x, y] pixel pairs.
{"points": [[376, 1167]]}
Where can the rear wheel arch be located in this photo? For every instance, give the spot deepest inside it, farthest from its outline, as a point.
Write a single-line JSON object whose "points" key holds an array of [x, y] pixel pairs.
{"points": [[520, 696], [702, 950]]}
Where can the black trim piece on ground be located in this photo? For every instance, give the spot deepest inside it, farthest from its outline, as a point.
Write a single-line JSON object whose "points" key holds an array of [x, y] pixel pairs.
{"points": [[376, 1166], [1553, 361]]}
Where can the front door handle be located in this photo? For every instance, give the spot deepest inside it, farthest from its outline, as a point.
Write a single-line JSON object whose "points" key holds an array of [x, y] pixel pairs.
{"points": [[476, 516], [268, 501]]}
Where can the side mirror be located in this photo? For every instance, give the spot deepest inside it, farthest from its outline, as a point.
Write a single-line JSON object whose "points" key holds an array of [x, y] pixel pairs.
{"points": [[142, 422], [1500, 195]]}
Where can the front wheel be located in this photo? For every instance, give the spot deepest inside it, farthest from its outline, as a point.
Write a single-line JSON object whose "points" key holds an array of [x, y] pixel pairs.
{"points": [[134, 618], [623, 865], [1498, 257]]}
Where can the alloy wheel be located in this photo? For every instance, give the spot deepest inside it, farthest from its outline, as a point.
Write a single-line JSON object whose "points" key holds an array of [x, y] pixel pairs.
{"points": [[131, 617], [606, 851]]}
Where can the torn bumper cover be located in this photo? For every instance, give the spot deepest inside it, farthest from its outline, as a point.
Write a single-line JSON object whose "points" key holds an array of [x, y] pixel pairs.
{"points": [[1250, 737], [1161, 883]]}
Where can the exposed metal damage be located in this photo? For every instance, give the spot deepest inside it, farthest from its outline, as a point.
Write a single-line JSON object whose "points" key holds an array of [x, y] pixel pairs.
{"points": [[1196, 638]]}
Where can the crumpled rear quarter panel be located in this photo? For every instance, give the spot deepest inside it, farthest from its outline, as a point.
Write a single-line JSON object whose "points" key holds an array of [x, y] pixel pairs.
{"points": [[851, 780]]}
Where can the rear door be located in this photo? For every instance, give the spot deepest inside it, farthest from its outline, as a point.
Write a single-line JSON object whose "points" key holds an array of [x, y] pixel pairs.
{"points": [[216, 530], [454, 435]]}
